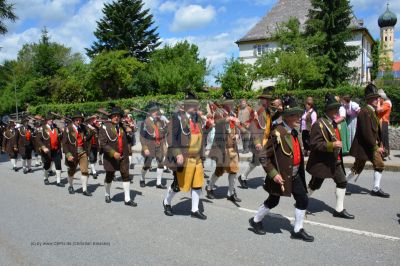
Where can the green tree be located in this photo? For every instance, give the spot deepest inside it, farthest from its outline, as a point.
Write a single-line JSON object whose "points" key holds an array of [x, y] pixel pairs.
{"points": [[290, 63], [6, 13], [126, 25], [375, 60], [71, 85], [328, 28], [236, 75], [113, 72], [173, 69]]}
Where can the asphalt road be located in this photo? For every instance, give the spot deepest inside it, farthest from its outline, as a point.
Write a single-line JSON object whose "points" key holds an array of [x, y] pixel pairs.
{"points": [[44, 225]]}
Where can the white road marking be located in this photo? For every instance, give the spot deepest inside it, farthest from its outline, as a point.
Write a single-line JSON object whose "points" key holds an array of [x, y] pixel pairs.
{"points": [[334, 227]]}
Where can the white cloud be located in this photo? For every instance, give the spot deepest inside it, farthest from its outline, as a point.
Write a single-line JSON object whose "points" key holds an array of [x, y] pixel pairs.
{"points": [[192, 17], [168, 6]]}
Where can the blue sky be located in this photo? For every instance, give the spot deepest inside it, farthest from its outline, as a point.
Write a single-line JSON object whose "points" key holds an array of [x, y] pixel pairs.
{"points": [[213, 25]]}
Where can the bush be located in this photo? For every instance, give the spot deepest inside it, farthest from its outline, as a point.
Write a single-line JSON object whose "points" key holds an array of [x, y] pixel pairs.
{"points": [[169, 101]]}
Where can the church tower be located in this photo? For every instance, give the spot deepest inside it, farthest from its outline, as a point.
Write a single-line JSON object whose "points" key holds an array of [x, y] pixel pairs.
{"points": [[386, 23]]}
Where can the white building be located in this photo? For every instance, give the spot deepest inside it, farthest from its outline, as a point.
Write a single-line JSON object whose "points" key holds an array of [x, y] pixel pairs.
{"points": [[258, 39]]}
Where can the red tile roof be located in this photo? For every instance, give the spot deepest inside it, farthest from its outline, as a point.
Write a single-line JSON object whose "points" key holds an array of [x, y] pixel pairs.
{"points": [[396, 66]]}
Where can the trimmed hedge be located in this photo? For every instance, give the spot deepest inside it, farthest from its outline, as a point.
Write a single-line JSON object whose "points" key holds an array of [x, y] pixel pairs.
{"points": [[169, 101]]}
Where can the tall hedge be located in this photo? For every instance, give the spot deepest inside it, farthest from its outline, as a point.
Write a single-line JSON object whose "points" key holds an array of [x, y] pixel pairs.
{"points": [[169, 102]]}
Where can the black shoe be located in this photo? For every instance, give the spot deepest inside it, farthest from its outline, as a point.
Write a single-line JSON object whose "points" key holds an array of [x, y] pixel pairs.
{"points": [[71, 190], [302, 235], [142, 184], [108, 199], [46, 182], [234, 198], [243, 183], [25, 171], [167, 209], [206, 176], [59, 184], [210, 194], [95, 175], [167, 171], [15, 169], [87, 193], [343, 214], [198, 215], [258, 227], [30, 170], [380, 193], [348, 193], [131, 203], [161, 186]]}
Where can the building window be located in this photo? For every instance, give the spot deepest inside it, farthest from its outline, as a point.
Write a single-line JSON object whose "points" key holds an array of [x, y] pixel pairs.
{"points": [[385, 38], [260, 49]]}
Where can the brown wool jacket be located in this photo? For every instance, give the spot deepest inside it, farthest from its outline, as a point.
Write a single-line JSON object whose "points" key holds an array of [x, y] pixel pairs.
{"points": [[278, 159], [367, 139]]}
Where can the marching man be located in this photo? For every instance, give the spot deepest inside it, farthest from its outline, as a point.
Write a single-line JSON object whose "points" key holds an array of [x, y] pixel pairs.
{"points": [[93, 126], [284, 164], [48, 140], [224, 149], [114, 142], [76, 146], [367, 144], [10, 144], [25, 144], [260, 129], [152, 138], [326, 159], [188, 154]]}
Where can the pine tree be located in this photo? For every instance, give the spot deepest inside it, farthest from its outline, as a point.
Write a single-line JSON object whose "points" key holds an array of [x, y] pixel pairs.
{"points": [[126, 25], [327, 29], [6, 13]]}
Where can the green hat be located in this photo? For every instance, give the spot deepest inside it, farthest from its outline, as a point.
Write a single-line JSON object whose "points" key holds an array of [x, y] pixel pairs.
{"points": [[116, 111], [191, 99], [371, 92], [153, 107], [291, 107], [78, 114], [266, 94], [330, 102], [227, 98]]}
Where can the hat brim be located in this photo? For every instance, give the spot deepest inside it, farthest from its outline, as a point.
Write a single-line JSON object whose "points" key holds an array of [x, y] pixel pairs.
{"points": [[77, 117], [191, 102], [372, 96], [265, 96], [292, 111], [333, 106]]}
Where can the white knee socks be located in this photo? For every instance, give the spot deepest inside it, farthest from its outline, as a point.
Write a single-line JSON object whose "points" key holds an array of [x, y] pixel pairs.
{"points": [[92, 168], [195, 199], [144, 172], [84, 180], [168, 198], [24, 164], [262, 211], [159, 175], [46, 174], [58, 175], [29, 164], [127, 191], [377, 180], [70, 180], [213, 179], [107, 186], [231, 188], [340, 194], [248, 170], [298, 221]]}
